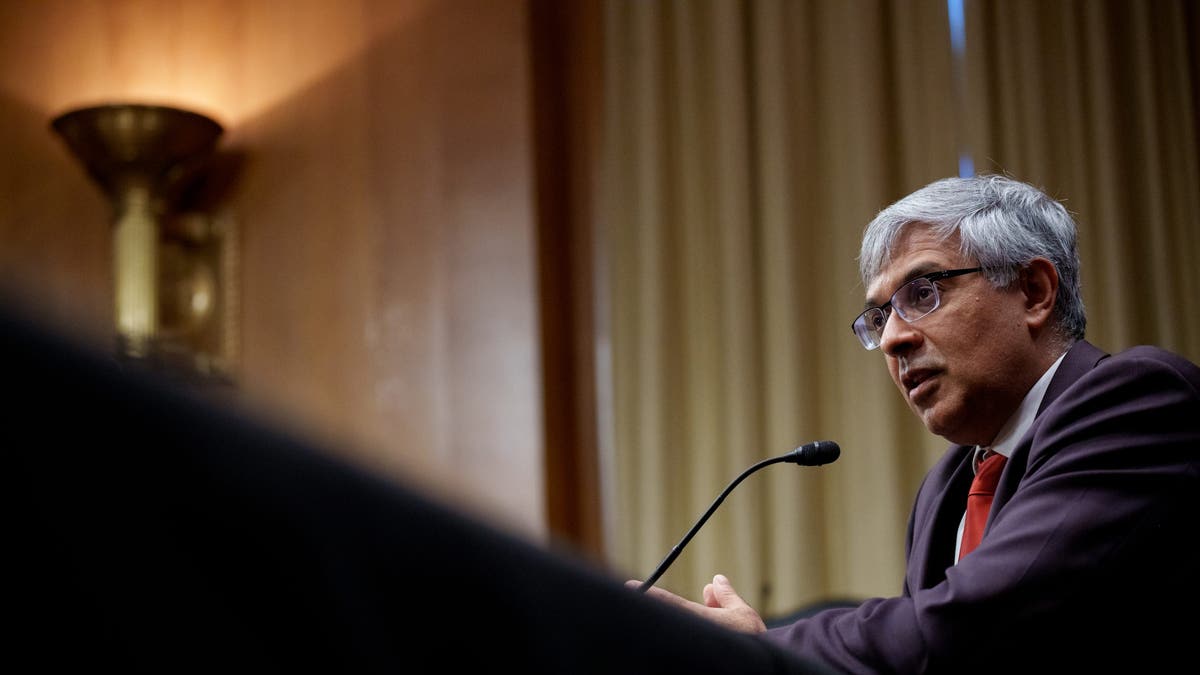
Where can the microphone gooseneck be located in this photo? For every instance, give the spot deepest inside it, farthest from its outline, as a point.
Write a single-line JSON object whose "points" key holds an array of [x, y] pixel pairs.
{"points": [[809, 454]]}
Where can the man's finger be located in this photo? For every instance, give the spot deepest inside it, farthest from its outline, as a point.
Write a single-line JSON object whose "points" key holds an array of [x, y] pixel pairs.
{"points": [[669, 597], [724, 594]]}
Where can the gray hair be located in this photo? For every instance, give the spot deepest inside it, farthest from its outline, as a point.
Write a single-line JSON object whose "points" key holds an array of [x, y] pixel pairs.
{"points": [[1002, 223]]}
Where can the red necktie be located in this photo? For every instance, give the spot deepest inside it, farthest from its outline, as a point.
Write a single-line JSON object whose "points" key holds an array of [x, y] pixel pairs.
{"points": [[979, 502]]}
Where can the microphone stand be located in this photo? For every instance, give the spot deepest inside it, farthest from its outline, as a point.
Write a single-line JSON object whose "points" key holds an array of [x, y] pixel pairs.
{"points": [[662, 567], [810, 454]]}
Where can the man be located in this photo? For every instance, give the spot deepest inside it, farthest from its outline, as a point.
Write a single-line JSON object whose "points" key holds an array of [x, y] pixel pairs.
{"points": [[1086, 560]]}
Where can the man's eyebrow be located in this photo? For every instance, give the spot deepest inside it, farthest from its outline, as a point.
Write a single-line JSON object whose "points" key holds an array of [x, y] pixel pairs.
{"points": [[918, 269]]}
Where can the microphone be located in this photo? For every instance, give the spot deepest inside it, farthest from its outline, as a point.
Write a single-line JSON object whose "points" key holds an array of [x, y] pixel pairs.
{"points": [[809, 454]]}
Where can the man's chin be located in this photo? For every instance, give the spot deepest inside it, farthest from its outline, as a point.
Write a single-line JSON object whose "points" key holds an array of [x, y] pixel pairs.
{"points": [[935, 422], [956, 435]]}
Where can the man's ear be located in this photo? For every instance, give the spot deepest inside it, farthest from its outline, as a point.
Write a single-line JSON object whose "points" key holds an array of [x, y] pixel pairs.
{"points": [[1039, 284]]}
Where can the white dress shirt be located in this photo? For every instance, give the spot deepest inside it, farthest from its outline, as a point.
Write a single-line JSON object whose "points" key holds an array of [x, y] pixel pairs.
{"points": [[1012, 431]]}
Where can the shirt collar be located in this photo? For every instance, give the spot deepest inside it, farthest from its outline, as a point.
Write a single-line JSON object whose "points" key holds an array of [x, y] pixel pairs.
{"points": [[1022, 419]]}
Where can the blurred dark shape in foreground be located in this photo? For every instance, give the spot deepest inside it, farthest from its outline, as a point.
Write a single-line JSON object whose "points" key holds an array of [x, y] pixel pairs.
{"points": [[156, 531]]}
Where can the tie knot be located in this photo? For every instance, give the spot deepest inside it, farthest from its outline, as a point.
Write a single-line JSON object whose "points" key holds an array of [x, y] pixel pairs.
{"points": [[988, 474], [979, 500]]}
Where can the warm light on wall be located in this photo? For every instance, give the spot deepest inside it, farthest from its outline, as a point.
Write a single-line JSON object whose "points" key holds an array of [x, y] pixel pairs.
{"points": [[174, 285]]}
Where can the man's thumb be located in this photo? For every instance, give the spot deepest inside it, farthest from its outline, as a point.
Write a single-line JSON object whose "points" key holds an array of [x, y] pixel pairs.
{"points": [[724, 592]]}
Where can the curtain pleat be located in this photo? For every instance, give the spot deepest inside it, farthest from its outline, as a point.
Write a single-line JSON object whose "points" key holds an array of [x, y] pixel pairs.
{"points": [[1095, 101], [748, 144]]}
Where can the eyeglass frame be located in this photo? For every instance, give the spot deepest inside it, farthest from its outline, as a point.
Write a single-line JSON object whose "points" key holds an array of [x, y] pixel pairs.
{"points": [[888, 307]]}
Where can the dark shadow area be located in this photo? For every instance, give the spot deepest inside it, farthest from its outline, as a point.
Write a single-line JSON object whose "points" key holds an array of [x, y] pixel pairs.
{"points": [[156, 531]]}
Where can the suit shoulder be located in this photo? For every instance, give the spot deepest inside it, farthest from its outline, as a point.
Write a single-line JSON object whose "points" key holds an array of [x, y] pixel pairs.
{"points": [[1148, 359]]}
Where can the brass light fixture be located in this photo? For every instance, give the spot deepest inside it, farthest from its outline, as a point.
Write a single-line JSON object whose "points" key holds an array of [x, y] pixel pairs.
{"points": [[173, 280]]}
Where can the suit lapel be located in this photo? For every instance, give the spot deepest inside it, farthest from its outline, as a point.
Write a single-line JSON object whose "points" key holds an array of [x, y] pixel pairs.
{"points": [[933, 544], [939, 515], [1081, 358]]}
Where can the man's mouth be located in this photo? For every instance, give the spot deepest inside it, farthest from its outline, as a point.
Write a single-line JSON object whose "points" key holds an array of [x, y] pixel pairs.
{"points": [[916, 381]]}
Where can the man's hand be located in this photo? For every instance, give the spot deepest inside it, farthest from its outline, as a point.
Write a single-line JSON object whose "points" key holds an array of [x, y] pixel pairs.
{"points": [[722, 605]]}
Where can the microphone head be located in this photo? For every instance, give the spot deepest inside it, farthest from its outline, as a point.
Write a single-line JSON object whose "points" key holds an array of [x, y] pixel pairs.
{"points": [[815, 453]]}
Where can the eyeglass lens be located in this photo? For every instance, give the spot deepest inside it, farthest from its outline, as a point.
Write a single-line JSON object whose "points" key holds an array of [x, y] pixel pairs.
{"points": [[912, 301]]}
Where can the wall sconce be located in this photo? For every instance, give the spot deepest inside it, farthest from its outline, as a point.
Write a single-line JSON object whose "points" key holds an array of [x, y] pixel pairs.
{"points": [[174, 272]]}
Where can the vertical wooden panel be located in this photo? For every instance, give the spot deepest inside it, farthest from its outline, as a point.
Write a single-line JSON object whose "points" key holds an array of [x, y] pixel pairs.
{"points": [[385, 205], [566, 51]]}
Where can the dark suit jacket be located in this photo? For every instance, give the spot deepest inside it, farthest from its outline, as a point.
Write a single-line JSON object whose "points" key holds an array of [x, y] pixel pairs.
{"points": [[1089, 561]]}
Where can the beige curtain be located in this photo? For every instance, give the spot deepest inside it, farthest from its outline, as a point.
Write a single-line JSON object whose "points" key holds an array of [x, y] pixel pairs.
{"points": [[1096, 101], [747, 144]]}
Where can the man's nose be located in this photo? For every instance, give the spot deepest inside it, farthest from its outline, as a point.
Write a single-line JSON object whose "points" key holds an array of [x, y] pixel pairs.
{"points": [[898, 336]]}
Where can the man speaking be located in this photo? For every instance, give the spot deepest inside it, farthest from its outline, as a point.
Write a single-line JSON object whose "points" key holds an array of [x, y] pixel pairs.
{"points": [[1058, 531]]}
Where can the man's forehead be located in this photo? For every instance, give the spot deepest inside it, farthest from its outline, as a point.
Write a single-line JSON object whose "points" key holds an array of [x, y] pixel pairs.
{"points": [[893, 276], [916, 252]]}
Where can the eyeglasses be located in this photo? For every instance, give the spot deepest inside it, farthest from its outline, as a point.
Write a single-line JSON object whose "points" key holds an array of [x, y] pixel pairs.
{"points": [[911, 301]]}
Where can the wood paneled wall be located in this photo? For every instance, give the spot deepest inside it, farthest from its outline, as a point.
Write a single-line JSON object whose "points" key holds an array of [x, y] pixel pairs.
{"points": [[386, 204]]}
